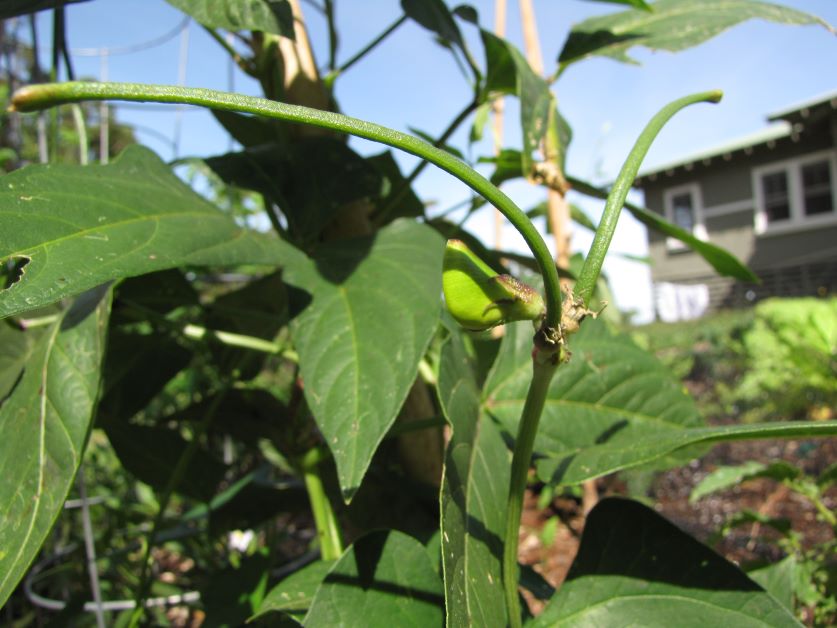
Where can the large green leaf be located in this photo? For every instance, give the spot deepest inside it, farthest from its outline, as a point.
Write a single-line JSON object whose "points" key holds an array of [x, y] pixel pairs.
{"points": [[722, 261], [15, 347], [270, 16], [385, 579], [508, 72], [634, 568], [672, 25], [43, 431], [599, 459], [80, 226], [611, 391], [473, 501], [294, 594], [374, 308], [13, 8]]}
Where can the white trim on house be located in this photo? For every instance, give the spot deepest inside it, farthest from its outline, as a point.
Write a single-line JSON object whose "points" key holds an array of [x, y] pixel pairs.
{"points": [[724, 209], [797, 221], [699, 228]]}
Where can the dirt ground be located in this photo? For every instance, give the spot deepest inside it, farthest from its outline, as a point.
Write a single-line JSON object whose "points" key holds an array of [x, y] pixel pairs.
{"points": [[670, 491]]}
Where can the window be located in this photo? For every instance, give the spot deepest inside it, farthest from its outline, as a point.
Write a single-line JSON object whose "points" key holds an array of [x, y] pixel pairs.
{"points": [[684, 207], [796, 194]]}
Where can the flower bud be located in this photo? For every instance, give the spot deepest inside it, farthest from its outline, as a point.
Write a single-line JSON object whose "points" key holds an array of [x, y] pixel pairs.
{"points": [[480, 299]]}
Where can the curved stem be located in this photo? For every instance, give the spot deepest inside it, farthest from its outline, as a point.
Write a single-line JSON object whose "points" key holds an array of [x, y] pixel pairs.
{"points": [[619, 192], [36, 97], [543, 368]]}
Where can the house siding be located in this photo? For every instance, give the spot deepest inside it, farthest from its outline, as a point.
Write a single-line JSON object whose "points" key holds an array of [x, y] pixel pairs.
{"points": [[803, 261]]}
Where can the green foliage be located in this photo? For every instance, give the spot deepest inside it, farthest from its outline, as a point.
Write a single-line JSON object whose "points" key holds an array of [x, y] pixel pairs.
{"points": [[791, 353], [671, 25], [317, 377], [635, 572]]}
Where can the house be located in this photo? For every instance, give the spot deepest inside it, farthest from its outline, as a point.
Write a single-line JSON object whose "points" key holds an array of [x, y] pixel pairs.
{"points": [[769, 198]]}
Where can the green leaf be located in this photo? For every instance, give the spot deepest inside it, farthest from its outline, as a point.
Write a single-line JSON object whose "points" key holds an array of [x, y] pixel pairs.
{"points": [[233, 594], [722, 261], [13, 8], [270, 16], [15, 347], [634, 568], [294, 594], [637, 4], [434, 16], [779, 579], [374, 308], [151, 453], [384, 579], [727, 477], [508, 72], [607, 457], [310, 180], [611, 391], [80, 226], [473, 501], [251, 131], [43, 431], [409, 205], [672, 25]]}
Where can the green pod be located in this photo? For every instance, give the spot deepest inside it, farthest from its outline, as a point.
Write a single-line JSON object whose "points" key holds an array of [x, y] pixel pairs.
{"points": [[478, 298]]}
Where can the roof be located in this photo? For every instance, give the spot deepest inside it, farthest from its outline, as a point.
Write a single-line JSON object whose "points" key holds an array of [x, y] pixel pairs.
{"points": [[784, 124], [827, 100], [772, 132]]}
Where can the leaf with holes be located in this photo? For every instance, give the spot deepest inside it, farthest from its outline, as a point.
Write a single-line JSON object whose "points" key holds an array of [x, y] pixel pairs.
{"points": [[81, 226], [374, 308], [43, 430]]}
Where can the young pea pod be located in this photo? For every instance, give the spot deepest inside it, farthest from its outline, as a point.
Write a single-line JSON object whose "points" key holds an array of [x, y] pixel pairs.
{"points": [[478, 298]]}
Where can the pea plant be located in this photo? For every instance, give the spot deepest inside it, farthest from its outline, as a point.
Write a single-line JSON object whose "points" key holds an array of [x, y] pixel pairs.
{"points": [[327, 383]]}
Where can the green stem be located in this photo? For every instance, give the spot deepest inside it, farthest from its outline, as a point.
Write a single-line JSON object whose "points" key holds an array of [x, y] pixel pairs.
{"points": [[332, 76], [332, 35], [81, 129], [246, 65], [619, 192], [177, 475], [36, 97], [328, 530], [543, 368]]}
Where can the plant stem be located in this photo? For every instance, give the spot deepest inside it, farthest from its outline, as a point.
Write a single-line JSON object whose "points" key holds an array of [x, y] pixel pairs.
{"points": [[543, 368], [246, 65], [328, 530], [333, 74], [332, 35], [177, 475], [36, 97], [619, 192]]}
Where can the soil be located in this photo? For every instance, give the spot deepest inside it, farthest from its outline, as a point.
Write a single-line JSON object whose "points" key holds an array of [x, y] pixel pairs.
{"points": [[669, 492]]}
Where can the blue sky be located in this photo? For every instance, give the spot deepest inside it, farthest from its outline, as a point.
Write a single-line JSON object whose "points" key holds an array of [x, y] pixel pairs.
{"points": [[410, 81]]}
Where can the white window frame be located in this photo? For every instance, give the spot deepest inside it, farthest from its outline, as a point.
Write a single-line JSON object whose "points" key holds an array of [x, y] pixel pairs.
{"points": [[699, 228], [797, 221]]}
